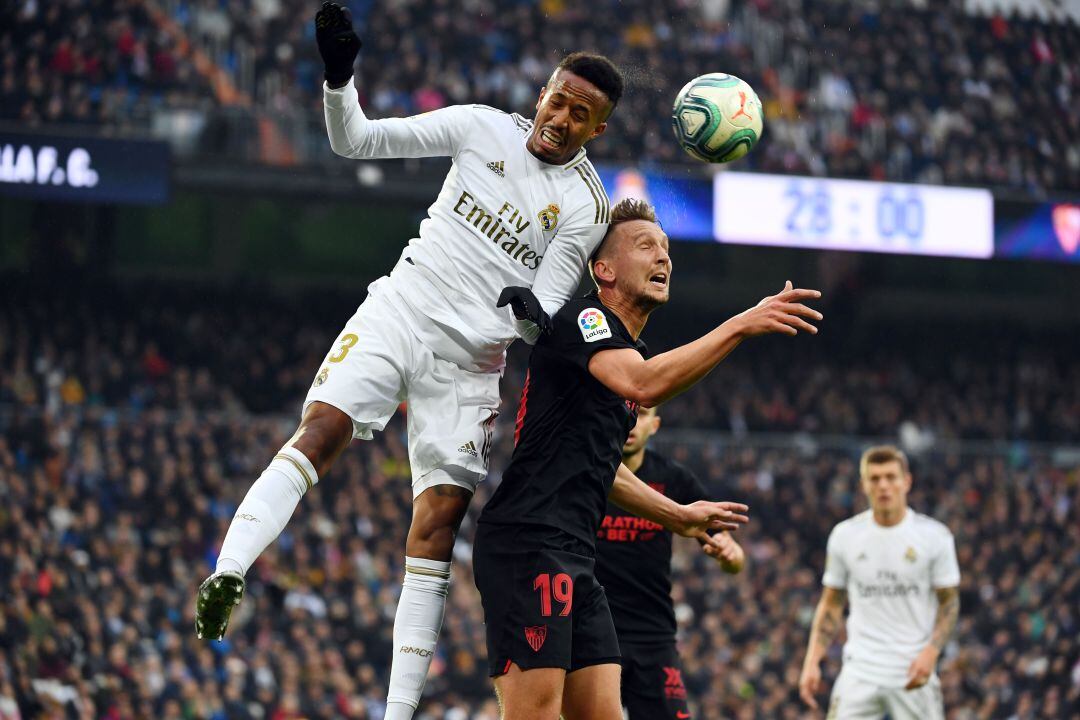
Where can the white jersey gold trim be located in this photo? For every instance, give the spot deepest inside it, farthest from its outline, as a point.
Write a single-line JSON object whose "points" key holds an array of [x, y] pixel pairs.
{"points": [[486, 230]]}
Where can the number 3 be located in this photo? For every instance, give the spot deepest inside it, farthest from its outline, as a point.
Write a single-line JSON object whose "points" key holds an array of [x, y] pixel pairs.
{"points": [[347, 341]]}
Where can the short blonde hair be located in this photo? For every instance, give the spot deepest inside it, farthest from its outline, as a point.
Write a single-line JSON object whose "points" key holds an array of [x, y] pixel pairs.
{"points": [[879, 454], [632, 209], [625, 210]]}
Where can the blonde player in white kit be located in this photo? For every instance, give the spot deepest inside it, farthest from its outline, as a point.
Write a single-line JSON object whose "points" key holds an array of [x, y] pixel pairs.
{"points": [[898, 570], [521, 206]]}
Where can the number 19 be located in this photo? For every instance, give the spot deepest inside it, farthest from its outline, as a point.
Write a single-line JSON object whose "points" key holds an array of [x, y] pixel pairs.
{"points": [[562, 589]]}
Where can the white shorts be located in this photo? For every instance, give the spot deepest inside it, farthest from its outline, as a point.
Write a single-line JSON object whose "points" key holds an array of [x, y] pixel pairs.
{"points": [[855, 699], [377, 363]]}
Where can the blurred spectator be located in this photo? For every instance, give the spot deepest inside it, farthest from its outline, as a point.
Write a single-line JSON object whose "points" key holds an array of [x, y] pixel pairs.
{"points": [[102, 62]]}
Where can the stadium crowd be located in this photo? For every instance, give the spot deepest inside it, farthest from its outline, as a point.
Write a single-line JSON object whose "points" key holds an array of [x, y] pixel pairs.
{"points": [[132, 420], [176, 349], [104, 62], [893, 89]]}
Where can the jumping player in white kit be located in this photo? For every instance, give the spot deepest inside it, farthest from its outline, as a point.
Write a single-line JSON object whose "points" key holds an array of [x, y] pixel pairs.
{"points": [[898, 570], [521, 206]]}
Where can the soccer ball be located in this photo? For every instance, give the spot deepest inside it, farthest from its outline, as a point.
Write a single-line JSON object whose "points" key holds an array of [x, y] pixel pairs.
{"points": [[717, 118]]}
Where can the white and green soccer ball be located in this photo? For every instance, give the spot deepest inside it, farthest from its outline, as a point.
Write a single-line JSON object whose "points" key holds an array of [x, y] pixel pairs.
{"points": [[717, 118]]}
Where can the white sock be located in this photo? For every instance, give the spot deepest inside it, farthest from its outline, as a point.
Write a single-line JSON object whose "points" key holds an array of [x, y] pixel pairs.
{"points": [[266, 508], [416, 628]]}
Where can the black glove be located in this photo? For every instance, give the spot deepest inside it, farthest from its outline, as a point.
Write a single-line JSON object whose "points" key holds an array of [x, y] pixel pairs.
{"points": [[525, 306], [338, 42]]}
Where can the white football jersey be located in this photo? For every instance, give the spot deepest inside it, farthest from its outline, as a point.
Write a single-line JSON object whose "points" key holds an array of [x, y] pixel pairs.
{"points": [[890, 574], [503, 217]]}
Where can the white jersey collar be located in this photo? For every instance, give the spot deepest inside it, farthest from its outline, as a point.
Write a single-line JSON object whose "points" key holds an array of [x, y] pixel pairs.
{"points": [[905, 521]]}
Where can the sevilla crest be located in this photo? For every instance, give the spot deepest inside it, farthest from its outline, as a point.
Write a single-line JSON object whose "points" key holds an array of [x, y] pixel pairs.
{"points": [[536, 636]]}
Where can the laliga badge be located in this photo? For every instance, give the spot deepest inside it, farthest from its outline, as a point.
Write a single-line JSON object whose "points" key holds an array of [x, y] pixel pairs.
{"points": [[593, 325]]}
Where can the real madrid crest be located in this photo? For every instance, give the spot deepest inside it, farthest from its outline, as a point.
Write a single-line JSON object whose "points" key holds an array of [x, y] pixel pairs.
{"points": [[910, 555], [321, 377], [549, 217]]}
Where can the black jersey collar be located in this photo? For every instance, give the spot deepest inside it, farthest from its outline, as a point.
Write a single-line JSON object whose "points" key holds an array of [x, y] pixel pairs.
{"points": [[613, 317]]}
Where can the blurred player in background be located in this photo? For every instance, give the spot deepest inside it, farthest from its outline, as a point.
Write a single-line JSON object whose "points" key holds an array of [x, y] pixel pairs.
{"points": [[898, 569], [552, 646], [521, 206], [633, 563]]}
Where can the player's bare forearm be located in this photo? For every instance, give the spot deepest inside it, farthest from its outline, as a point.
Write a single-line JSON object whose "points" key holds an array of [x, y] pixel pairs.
{"points": [[673, 372], [633, 495], [676, 371], [693, 520], [828, 619], [948, 613], [922, 667], [653, 381], [660, 378]]}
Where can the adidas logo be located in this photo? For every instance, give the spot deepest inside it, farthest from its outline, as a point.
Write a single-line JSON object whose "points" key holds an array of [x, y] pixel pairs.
{"points": [[468, 448], [498, 167], [862, 556]]}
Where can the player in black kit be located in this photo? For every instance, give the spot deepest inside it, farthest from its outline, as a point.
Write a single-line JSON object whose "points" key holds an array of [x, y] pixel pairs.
{"points": [[551, 642], [633, 563]]}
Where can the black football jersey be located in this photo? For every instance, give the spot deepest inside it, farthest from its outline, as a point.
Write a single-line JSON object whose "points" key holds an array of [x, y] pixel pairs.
{"points": [[569, 434], [633, 557]]}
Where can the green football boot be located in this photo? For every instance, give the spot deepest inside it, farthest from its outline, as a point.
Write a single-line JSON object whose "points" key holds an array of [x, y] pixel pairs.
{"points": [[218, 595]]}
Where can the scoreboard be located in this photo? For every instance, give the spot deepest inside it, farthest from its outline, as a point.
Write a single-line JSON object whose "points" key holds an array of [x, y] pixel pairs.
{"points": [[830, 214]]}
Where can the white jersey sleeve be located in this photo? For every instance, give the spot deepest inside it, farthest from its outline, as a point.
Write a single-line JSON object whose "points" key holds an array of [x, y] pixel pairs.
{"points": [[564, 263], [836, 570], [502, 218], [944, 568], [352, 134]]}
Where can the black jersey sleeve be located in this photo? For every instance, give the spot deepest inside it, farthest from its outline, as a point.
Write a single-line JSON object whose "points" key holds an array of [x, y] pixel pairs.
{"points": [[584, 327], [691, 488]]}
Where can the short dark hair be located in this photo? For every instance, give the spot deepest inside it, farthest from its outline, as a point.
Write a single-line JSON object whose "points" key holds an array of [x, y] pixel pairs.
{"points": [[598, 70]]}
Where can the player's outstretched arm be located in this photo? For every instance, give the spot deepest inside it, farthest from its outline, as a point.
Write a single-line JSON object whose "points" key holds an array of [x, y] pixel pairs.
{"points": [[693, 520], [352, 134], [828, 619], [660, 378]]}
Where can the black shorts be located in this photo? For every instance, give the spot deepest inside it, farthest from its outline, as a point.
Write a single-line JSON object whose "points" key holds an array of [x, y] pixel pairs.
{"points": [[542, 608], [652, 686]]}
